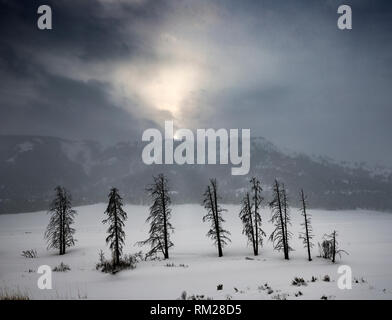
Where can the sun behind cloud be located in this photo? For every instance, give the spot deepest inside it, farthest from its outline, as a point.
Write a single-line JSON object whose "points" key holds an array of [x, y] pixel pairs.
{"points": [[169, 87]]}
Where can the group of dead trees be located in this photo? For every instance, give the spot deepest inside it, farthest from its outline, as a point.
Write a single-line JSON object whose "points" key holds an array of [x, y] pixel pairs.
{"points": [[280, 218], [281, 235], [250, 216], [60, 233]]}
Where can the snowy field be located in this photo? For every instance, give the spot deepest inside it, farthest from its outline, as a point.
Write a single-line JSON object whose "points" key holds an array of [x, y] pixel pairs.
{"points": [[366, 235]]}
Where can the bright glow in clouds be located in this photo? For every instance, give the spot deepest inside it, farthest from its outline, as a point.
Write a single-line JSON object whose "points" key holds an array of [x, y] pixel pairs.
{"points": [[168, 88], [166, 83]]}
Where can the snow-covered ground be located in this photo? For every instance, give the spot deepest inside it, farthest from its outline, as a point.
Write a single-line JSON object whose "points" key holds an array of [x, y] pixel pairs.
{"points": [[365, 235]]}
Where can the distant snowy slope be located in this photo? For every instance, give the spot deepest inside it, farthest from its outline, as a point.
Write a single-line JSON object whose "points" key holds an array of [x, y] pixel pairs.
{"points": [[31, 166]]}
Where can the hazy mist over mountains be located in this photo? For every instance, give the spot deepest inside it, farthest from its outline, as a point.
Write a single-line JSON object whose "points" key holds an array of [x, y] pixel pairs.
{"points": [[31, 166]]}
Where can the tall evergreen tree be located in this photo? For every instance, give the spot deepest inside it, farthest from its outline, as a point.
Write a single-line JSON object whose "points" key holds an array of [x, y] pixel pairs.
{"points": [[219, 235], [116, 218], [247, 221], [307, 234], [279, 219], [159, 218], [251, 218], [59, 234]]}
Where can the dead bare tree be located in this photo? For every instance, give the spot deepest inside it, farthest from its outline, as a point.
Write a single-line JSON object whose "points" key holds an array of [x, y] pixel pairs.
{"points": [[159, 218], [279, 219], [250, 216], [219, 235], [307, 234], [59, 233]]}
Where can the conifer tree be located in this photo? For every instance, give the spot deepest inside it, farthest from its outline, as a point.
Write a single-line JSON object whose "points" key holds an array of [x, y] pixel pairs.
{"points": [[159, 218], [307, 234], [219, 235], [250, 216], [279, 219], [59, 233], [116, 218], [247, 221]]}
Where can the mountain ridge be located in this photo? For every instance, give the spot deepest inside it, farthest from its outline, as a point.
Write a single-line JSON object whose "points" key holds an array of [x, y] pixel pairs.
{"points": [[31, 166]]}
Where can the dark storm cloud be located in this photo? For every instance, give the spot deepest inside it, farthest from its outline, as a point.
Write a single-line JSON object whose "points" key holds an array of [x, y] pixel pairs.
{"points": [[69, 108], [281, 68], [87, 28], [328, 91], [36, 101]]}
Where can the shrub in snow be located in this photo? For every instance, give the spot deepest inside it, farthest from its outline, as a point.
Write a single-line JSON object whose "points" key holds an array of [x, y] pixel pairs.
{"points": [[299, 293], [184, 296], [199, 297], [82, 296], [298, 282], [362, 280], [172, 265], [266, 287], [279, 296], [325, 249], [62, 267], [242, 291], [329, 248], [125, 262], [29, 254]]}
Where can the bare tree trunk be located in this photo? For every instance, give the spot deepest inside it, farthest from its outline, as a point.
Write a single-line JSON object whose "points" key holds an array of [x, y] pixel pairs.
{"points": [[306, 224], [164, 219], [334, 247], [254, 241], [215, 210], [256, 245], [117, 250], [281, 220], [63, 226], [61, 244], [285, 222]]}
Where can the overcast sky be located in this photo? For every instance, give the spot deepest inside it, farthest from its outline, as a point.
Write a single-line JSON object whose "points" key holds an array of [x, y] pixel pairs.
{"points": [[110, 69]]}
